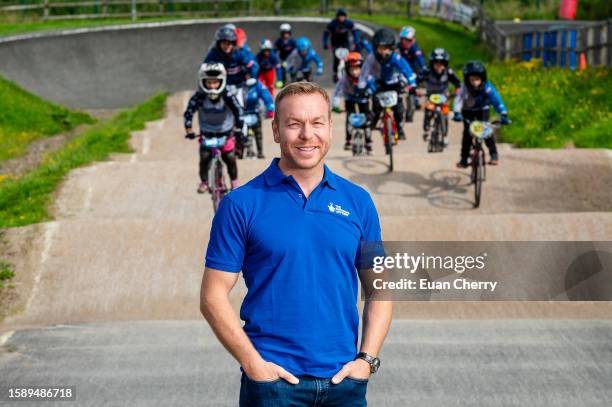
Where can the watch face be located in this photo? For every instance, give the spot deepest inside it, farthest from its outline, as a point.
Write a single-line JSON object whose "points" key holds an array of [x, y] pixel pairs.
{"points": [[375, 365]]}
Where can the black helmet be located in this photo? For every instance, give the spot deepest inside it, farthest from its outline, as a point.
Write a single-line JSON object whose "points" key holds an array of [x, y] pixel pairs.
{"points": [[385, 37], [225, 34], [439, 55], [341, 12], [474, 68]]}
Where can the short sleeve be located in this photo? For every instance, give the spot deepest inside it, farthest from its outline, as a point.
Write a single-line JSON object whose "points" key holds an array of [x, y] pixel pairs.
{"points": [[371, 238], [227, 243]]}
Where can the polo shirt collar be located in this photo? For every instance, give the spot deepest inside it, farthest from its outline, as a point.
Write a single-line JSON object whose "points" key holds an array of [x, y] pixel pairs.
{"points": [[274, 176]]}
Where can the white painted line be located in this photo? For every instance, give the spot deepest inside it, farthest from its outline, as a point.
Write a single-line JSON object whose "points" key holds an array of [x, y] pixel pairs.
{"points": [[75, 31], [87, 198], [5, 337], [146, 145], [50, 230]]}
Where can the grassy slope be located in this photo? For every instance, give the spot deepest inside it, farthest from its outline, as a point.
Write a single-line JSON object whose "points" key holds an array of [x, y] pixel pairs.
{"points": [[555, 107], [25, 200], [25, 118]]}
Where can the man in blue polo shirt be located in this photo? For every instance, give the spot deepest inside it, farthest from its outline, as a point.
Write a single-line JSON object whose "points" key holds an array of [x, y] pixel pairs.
{"points": [[295, 232]]}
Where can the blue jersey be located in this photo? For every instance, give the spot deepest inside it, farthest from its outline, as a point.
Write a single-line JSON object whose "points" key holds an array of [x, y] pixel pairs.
{"points": [[256, 93], [340, 34], [474, 101], [388, 74], [301, 63], [413, 55], [237, 64], [268, 63], [284, 48], [364, 45]]}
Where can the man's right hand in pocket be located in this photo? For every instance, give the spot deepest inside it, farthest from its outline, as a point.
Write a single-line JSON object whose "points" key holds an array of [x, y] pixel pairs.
{"points": [[267, 371]]}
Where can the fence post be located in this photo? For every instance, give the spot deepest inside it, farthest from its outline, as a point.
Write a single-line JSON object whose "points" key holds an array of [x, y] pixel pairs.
{"points": [[369, 7], [249, 7], [216, 8], [46, 10], [276, 7], [409, 8], [323, 6], [104, 8], [134, 13]]}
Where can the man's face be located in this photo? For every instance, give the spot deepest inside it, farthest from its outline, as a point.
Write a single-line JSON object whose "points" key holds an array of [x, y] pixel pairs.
{"points": [[438, 67], [266, 53], [475, 81], [226, 46], [285, 35], [303, 130], [341, 19], [383, 50]]}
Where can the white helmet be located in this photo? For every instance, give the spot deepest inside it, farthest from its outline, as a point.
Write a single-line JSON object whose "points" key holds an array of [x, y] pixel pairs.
{"points": [[285, 28], [230, 26], [213, 70], [266, 44]]}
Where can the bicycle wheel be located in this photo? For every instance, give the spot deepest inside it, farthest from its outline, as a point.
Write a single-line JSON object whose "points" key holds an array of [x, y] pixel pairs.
{"points": [[218, 189], [433, 137], [439, 126], [358, 142], [390, 137], [478, 168], [410, 108], [250, 145]]}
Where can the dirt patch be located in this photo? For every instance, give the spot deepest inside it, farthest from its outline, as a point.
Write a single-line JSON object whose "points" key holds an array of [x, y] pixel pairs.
{"points": [[37, 150], [20, 248]]}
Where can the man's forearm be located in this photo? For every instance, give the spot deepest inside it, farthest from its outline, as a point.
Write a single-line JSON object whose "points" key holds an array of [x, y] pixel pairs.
{"points": [[224, 322], [377, 317]]}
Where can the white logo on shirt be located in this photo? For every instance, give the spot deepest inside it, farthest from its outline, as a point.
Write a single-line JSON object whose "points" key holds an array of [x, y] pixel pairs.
{"points": [[337, 209]]}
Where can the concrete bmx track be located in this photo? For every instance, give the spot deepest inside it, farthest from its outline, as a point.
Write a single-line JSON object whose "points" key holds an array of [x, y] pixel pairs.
{"points": [[111, 285]]}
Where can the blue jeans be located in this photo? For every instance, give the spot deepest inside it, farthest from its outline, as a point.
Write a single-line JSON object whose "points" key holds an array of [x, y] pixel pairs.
{"points": [[310, 391]]}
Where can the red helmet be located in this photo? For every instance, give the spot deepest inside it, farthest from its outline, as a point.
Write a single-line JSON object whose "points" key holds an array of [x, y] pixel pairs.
{"points": [[354, 58], [241, 37]]}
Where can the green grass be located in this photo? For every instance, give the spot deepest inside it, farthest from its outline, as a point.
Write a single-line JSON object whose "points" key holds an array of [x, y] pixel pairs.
{"points": [[556, 107], [6, 273], [25, 200], [25, 118]]}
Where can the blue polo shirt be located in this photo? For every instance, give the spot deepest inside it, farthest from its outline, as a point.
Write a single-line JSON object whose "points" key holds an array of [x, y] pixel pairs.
{"points": [[298, 257]]}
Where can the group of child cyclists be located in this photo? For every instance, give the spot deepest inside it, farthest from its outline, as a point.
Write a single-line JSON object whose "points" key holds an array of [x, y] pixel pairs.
{"points": [[234, 82]]}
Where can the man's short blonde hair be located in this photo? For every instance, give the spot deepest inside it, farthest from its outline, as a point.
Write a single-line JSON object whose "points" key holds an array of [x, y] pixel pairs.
{"points": [[300, 88]]}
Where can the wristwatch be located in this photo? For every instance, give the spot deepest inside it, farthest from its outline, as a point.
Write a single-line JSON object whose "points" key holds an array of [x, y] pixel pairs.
{"points": [[372, 360]]}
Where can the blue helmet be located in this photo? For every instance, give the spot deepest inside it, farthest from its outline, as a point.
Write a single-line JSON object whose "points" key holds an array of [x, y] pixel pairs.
{"points": [[303, 44], [408, 32]]}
